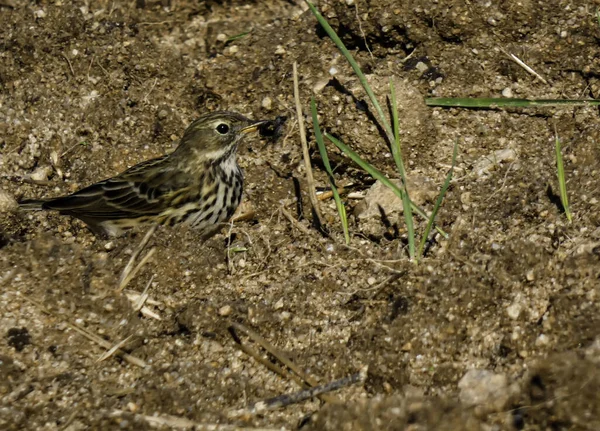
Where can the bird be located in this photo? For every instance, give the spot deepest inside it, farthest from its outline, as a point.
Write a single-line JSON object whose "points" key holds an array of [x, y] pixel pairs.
{"points": [[199, 184]]}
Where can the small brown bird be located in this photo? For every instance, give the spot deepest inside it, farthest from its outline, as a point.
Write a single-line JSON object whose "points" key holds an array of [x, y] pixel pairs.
{"points": [[200, 183]]}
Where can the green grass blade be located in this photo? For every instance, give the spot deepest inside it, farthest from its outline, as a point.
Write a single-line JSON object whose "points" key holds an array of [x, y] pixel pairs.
{"points": [[397, 154], [236, 37], [500, 102], [361, 77], [378, 175], [439, 200], [323, 151], [562, 184]]}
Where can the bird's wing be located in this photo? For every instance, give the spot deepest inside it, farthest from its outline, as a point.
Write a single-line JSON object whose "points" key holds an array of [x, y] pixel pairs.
{"points": [[145, 189]]}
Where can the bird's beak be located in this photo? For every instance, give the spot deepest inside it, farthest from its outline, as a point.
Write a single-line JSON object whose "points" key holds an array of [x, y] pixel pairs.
{"points": [[253, 127]]}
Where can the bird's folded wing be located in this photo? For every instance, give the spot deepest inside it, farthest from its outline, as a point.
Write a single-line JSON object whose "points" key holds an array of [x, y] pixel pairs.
{"points": [[138, 191]]}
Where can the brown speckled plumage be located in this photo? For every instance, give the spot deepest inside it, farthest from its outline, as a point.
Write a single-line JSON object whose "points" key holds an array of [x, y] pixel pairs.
{"points": [[200, 183]]}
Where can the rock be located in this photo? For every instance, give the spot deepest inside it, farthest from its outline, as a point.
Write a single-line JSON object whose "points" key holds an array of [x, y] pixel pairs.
{"points": [[7, 202], [380, 197], [42, 173], [487, 163], [267, 103], [381, 207], [484, 388]]}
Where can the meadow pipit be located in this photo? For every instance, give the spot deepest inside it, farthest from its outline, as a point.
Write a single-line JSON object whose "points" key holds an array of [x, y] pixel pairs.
{"points": [[200, 183]]}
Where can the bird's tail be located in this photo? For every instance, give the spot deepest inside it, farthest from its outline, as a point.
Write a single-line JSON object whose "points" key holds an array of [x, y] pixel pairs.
{"points": [[32, 204]]}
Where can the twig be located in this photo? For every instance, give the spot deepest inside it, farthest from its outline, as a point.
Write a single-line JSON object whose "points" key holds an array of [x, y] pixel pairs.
{"points": [[150, 91], [90, 336], [310, 181], [306, 380], [144, 296], [134, 256], [297, 397], [135, 270], [69, 63], [114, 349], [294, 222], [181, 422], [524, 66]]}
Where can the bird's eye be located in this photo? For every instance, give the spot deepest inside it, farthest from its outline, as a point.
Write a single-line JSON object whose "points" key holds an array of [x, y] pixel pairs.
{"points": [[223, 128]]}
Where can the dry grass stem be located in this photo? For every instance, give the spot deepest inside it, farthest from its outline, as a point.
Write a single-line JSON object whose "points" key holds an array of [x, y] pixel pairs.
{"points": [[306, 380], [294, 222], [128, 268], [90, 335], [309, 173], [135, 270], [177, 422], [113, 349], [525, 66]]}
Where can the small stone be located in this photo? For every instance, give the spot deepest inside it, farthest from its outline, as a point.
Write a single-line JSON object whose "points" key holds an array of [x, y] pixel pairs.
{"points": [[109, 246], [421, 67], [507, 92], [371, 281], [162, 114], [279, 304], [7, 202], [530, 276], [41, 174], [333, 71], [233, 49], [514, 310], [40, 13], [225, 310], [320, 85], [267, 103], [542, 340], [221, 37], [280, 50], [483, 387], [484, 165]]}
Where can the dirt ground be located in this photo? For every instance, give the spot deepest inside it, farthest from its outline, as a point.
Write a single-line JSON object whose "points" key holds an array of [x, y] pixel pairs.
{"points": [[498, 327]]}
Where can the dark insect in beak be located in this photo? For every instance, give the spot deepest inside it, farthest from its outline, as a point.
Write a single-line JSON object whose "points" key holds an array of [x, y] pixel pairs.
{"points": [[253, 127], [272, 129]]}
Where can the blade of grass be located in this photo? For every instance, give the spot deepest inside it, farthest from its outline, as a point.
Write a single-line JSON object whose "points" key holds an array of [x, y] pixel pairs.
{"points": [[397, 154], [236, 37], [491, 102], [323, 151], [562, 184], [361, 77], [439, 200], [378, 175]]}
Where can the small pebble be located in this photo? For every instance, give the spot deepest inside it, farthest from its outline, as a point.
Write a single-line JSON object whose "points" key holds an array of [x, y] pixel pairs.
{"points": [[225, 310], [530, 275], [267, 103], [279, 304], [371, 281], [507, 92]]}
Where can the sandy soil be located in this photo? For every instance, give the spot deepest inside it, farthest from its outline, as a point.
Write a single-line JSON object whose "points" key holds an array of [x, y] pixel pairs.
{"points": [[496, 328]]}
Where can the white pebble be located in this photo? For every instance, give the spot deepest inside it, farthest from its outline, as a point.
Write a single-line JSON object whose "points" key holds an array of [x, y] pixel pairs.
{"points": [[225, 310], [267, 103]]}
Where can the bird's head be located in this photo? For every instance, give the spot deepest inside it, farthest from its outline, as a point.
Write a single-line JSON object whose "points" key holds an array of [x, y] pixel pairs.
{"points": [[216, 135]]}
